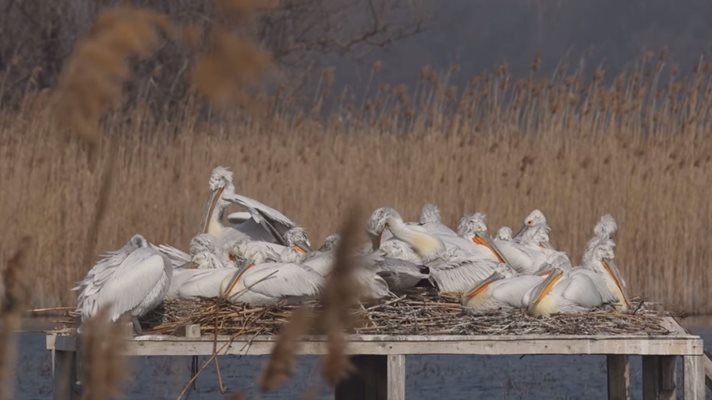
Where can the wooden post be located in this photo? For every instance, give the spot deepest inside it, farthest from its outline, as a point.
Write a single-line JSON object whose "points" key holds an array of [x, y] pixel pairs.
{"points": [[659, 377], [65, 375], [368, 381], [396, 377], [707, 361], [694, 375], [618, 377]]}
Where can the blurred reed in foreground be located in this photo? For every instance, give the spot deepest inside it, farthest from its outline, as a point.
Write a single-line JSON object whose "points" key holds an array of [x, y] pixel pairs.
{"points": [[571, 145]]}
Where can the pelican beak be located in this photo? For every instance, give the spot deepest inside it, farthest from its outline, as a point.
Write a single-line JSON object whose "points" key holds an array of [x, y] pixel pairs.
{"points": [[235, 280], [482, 286], [547, 286], [615, 273], [375, 240], [521, 230], [213, 198], [299, 249], [484, 240]]}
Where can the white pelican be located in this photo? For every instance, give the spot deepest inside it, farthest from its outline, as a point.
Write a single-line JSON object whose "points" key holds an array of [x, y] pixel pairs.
{"points": [[530, 249], [432, 225], [505, 233], [450, 269], [270, 283], [499, 292], [604, 229], [130, 281], [330, 242], [265, 223], [473, 228], [593, 285]]}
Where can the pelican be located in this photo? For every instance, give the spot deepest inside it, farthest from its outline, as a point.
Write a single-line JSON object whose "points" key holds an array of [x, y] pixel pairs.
{"points": [[260, 252], [203, 280], [605, 228], [330, 242], [451, 270], [530, 249], [593, 285], [270, 283], [505, 233], [500, 292], [473, 228], [398, 264], [265, 223], [130, 281]]}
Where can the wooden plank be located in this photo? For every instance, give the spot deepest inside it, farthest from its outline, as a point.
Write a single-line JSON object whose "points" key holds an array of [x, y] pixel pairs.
{"points": [[707, 359], [694, 376], [65, 375], [618, 376], [367, 381], [396, 377], [257, 346]]}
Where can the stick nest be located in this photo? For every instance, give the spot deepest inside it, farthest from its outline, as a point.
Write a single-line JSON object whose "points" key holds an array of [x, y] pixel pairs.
{"points": [[419, 312]]}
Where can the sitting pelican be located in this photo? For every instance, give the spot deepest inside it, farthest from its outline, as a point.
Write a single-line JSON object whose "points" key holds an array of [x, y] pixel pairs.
{"points": [[530, 249], [450, 269], [593, 285], [397, 263], [130, 281], [265, 223], [499, 292], [474, 228], [270, 283]]}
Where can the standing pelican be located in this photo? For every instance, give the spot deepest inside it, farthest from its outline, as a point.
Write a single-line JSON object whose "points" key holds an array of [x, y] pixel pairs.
{"points": [[530, 249], [581, 289], [265, 224], [130, 281]]}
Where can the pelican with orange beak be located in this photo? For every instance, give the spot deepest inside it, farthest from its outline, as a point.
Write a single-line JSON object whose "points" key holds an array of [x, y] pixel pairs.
{"points": [[592, 285], [473, 227]]}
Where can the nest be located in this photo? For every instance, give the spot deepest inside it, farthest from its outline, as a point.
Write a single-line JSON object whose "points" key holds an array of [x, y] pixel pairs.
{"points": [[420, 312]]}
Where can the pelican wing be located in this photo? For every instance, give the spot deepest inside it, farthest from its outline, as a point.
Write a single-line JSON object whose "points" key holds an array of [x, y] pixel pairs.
{"points": [[461, 274], [586, 290], [279, 280], [201, 282], [512, 290], [400, 274], [239, 217], [178, 257], [272, 220], [517, 256], [137, 284]]}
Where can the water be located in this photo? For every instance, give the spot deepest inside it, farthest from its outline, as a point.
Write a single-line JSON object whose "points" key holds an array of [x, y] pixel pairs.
{"points": [[428, 377]]}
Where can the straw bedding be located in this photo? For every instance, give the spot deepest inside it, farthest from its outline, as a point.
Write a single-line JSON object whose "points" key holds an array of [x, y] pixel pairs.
{"points": [[420, 312]]}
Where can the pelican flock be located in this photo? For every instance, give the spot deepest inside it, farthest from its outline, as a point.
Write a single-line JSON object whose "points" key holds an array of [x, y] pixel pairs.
{"points": [[260, 256]]}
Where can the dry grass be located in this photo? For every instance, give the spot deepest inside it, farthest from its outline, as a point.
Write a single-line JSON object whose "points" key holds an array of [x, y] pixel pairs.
{"points": [[572, 146]]}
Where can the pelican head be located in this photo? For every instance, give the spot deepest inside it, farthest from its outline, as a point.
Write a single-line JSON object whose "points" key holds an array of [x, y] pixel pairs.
{"points": [[378, 222], [430, 214], [606, 227], [471, 224], [201, 243], [220, 181], [330, 242], [535, 218], [505, 233], [137, 241], [297, 239]]}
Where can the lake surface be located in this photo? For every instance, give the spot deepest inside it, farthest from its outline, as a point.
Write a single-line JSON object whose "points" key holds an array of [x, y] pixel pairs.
{"points": [[428, 377]]}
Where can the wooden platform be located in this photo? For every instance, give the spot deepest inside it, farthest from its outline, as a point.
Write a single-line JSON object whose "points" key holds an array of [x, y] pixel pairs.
{"points": [[380, 359]]}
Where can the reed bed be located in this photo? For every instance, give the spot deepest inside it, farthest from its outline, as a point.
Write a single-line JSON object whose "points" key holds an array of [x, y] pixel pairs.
{"points": [[572, 145], [421, 312]]}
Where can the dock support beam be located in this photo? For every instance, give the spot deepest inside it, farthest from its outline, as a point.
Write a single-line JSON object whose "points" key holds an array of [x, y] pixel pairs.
{"points": [[65, 375], [377, 377], [618, 376], [659, 377], [694, 371]]}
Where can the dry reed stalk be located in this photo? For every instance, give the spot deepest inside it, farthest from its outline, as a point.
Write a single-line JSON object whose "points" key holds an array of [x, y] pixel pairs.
{"points": [[15, 294], [341, 292], [280, 365], [104, 367]]}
